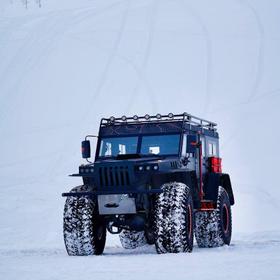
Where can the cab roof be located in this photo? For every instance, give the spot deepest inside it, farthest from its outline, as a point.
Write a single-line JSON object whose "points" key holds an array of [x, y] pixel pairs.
{"points": [[157, 124]]}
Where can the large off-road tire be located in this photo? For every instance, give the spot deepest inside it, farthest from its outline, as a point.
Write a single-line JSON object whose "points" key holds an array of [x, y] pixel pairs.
{"points": [[213, 228], [174, 219], [84, 229], [132, 239]]}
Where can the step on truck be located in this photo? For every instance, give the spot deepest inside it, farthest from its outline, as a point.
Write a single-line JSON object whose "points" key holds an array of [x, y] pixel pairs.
{"points": [[154, 180]]}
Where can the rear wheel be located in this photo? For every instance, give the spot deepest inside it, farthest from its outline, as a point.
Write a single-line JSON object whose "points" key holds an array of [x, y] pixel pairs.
{"points": [[132, 239], [214, 228], [174, 219], [84, 229]]}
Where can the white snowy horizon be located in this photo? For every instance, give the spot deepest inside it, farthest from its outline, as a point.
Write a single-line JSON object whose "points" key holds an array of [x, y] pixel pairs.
{"points": [[69, 63]]}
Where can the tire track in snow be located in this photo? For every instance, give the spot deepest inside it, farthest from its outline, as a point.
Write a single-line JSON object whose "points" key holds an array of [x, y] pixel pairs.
{"points": [[123, 58], [268, 94], [259, 71], [61, 157], [135, 92], [80, 18], [209, 65], [209, 61], [110, 60], [260, 56], [35, 49], [50, 32], [54, 26], [16, 68]]}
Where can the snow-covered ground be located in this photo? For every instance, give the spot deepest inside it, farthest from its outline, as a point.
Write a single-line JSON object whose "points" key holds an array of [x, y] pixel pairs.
{"points": [[64, 66], [254, 256]]}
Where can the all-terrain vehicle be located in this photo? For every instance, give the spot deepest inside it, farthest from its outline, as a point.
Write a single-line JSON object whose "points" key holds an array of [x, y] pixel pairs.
{"points": [[155, 180]]}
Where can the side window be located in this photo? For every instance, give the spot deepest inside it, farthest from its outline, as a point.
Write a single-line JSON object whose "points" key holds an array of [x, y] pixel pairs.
{"points": [[203, 146], [184, 146], [212, 149], [190, 150]]}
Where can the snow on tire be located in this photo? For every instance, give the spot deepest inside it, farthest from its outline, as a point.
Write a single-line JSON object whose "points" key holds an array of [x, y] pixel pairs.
{"points": [[132, 239], [84, 230], [174, 219], [213, 228]]}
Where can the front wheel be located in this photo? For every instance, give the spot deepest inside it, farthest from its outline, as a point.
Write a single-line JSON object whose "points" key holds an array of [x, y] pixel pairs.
{"points": [[84, 229], [174, 219]]}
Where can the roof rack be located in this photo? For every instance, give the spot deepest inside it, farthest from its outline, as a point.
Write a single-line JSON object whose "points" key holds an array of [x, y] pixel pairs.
{"points": [[185, 117]]}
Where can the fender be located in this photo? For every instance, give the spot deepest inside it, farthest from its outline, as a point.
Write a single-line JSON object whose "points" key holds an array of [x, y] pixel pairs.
{"points": [[226, 184], [211, 186], [181, 176]]}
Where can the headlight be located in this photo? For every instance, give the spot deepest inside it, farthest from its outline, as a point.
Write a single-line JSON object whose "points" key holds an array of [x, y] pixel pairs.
{"points": [[86, 170], [147, 167]]}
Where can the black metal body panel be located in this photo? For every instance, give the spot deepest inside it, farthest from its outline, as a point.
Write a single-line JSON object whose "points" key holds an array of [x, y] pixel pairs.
{"points": [[122, 175], [181, 176], [211, 186], [226, 184]]}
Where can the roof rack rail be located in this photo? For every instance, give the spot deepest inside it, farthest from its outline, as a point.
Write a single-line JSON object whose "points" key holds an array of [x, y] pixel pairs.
{"points": [[185, 117]]}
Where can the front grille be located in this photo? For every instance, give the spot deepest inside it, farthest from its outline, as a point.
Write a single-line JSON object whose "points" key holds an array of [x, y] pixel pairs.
{"points": [[114, 176]]}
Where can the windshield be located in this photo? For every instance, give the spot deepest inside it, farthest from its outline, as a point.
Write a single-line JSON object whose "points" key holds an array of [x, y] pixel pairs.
{"points": [[160, 144], [150, 145], [111, 147]]}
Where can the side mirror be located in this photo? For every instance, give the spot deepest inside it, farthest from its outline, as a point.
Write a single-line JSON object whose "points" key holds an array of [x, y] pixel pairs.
{"points": [[191, 140], [86, 149]]}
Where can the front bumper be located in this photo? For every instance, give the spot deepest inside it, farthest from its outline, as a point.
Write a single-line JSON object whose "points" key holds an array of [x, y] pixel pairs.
{"points": [[95, 193]]}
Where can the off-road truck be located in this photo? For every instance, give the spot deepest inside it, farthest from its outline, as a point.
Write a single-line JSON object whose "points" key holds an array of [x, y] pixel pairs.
{"points": [[154, 180]]}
